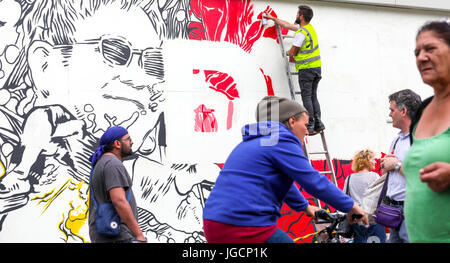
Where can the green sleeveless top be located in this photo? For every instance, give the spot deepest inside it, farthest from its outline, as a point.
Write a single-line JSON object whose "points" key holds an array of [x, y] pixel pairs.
{"points": [[427, 213]]}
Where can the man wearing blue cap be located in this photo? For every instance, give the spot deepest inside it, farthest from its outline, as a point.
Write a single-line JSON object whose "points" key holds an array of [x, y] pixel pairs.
{"points": [[110, 182]]}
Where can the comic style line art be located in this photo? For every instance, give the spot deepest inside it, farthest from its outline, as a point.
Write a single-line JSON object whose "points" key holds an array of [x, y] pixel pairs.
{"points": [[71, 69], [58, 98]]}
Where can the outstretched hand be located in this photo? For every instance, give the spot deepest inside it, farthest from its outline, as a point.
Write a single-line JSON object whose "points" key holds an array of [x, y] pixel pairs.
{"points": [[360, 215], [311, 211]]}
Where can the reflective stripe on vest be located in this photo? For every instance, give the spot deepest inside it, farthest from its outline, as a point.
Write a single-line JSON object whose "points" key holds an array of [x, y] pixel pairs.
{"points": [[308, 55]]}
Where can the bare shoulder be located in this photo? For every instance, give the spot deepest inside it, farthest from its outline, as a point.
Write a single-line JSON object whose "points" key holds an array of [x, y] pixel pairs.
{"points": [[435, 120]]}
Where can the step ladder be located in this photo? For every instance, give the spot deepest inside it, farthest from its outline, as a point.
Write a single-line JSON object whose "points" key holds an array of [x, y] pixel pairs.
{"points": [[289, 74]]}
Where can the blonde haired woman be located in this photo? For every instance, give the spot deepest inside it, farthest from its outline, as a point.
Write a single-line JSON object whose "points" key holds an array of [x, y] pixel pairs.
{"points": [[355, 185]]}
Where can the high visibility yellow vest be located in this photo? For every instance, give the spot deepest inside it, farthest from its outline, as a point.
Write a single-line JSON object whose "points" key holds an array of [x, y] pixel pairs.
{"points": [[308, 55]]}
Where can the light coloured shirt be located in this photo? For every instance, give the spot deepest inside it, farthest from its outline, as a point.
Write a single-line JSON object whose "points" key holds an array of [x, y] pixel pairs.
{"points": [[397, 183], [358, 185], [299, 39]]}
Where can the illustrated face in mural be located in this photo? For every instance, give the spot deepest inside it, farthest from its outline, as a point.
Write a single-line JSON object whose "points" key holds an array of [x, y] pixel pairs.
{"points": [[85, 75], [9, 15], [112, 69]]}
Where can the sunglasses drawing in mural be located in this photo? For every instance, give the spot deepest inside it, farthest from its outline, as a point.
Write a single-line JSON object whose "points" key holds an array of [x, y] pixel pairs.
{"points": [[117, 51]]}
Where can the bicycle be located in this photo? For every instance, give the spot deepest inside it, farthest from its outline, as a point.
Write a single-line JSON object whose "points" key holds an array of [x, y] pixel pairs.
{"points": [[332, 231]]}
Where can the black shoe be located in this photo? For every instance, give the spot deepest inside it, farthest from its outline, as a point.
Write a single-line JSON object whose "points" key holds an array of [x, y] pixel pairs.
{"points": [[311, 130], [310, 126], [318, 126]]}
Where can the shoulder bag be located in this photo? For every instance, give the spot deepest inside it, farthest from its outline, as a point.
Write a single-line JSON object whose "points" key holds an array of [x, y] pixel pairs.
{"points": [[387, 215], [107, 219]]}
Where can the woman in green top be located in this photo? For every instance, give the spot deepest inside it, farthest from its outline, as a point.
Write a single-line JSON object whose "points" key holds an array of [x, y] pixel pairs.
{"points": [[427, 164]]}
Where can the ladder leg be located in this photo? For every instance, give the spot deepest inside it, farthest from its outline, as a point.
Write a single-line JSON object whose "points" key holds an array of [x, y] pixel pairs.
{"points": [[286, 62], [328, 158]]}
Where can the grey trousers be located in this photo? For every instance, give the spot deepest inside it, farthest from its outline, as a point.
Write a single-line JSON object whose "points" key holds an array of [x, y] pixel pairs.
{"points": [[308, 79]]}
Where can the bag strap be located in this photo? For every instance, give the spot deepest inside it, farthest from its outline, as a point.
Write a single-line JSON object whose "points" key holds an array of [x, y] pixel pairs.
{"points": [[395, 144], [384, 190], [347, 191], [92, 190]]}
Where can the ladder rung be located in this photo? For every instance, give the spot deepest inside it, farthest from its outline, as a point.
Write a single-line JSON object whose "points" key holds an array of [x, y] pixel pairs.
{"points": [[298, 92], [287, 36], [294, 73], [326, 172], [324, 152]]}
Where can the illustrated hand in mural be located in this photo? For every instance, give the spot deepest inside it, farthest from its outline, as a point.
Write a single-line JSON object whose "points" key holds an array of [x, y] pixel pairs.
{"points": [[58, 133], [157, 232], [174, 195]]}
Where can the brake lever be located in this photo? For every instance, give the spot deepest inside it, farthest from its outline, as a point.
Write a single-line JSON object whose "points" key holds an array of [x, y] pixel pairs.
{"points": [[356, 216], [322, 214]]}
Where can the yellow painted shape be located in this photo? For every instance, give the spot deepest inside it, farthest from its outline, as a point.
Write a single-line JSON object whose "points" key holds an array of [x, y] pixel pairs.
{"points": [[2, 170], [77, 216]]}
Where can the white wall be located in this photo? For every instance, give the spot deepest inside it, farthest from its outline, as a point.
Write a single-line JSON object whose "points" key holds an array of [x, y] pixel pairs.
{"points": [[367, 54], [437, 5]]}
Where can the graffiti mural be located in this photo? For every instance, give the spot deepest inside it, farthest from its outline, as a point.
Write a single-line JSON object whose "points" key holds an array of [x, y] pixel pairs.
{"points": [[71, 69]]}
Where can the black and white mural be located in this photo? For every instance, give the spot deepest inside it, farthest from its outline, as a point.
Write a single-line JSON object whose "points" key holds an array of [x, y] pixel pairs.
{"points": [[69, 69]]}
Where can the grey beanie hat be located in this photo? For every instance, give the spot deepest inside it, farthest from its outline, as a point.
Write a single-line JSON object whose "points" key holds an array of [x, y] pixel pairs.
{"points": [[281, 108]]}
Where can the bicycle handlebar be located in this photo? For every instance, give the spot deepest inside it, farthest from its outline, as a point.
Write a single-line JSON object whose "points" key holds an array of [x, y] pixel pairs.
{"points": [[325, 217], [333, 217]]}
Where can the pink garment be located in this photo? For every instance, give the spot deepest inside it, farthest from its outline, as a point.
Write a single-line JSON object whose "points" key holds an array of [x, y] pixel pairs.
{"points": [[216, 232]]}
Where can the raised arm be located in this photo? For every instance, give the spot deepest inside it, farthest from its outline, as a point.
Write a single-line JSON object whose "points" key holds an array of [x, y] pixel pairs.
{"points": [[282, 23]]}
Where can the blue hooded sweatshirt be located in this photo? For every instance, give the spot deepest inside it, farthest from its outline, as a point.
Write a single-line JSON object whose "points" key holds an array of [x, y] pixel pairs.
{"points": [[259, 176]]}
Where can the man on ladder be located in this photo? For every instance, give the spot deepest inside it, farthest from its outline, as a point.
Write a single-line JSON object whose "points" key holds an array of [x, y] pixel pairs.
{"points": [[306, 56]]}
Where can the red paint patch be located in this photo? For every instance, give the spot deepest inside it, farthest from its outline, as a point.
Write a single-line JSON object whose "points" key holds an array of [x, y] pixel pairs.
{"points": [[269, 86], [205, 121], [229, 21], [222, 82]]}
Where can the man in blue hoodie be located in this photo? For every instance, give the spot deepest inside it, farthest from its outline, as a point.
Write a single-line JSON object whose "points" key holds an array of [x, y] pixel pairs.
{"points": [[259, 176]]}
